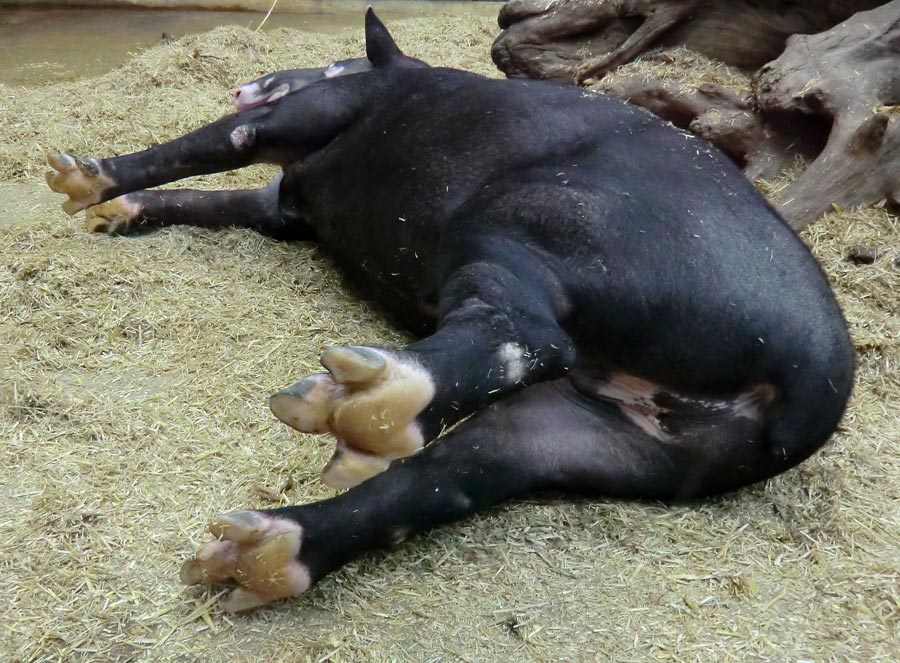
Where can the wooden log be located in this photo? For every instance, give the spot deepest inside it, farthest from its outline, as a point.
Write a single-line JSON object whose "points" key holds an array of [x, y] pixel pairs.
{"points": [[848, 77], [582, 39]]}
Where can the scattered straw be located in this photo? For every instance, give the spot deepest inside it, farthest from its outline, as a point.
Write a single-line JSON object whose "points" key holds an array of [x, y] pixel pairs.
{"points": [[132, 408], [683, 66], [266, 17]]}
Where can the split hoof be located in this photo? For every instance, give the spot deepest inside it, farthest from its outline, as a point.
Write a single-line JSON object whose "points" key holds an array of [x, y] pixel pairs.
{"points": [[259, 552], [306, 405], [355, 365], [349, 467], [369, 401], [113, 217], [81, 179]]}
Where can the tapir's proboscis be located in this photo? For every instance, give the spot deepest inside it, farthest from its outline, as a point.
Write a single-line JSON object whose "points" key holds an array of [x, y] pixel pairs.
{"points": [[604, 301]]}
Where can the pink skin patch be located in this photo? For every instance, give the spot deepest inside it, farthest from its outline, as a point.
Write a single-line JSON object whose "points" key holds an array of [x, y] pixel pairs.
{"points": [[636, 400], [253, 94]]}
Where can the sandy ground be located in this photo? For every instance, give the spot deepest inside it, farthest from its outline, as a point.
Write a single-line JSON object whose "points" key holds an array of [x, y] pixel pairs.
{"points": [[134, 374]]}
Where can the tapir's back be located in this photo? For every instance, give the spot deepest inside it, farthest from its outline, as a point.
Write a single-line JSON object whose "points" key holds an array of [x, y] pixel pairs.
{"points": [[609, 181], [436, 138]]}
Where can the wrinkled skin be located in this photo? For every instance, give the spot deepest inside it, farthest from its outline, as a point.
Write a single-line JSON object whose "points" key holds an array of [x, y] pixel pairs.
{"points": [[618, 308]]}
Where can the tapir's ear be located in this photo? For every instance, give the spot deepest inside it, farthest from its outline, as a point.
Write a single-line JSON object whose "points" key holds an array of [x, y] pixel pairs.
{"points": [[380, 46]]}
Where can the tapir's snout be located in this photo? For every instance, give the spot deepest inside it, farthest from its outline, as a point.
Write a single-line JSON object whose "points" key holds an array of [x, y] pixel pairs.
{"points": [[254, 94], [247, 96], [274, 86]]}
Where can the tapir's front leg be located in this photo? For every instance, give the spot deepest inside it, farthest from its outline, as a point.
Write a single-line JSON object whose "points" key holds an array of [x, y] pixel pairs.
{"points": [[278, 133], [142, 211]]}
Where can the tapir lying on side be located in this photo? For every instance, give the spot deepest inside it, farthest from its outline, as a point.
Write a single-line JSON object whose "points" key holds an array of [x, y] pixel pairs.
{"points": [[618, 307]]}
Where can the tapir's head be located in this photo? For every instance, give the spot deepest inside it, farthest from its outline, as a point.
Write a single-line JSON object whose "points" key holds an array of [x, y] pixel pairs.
{"points": [[381, 51]]}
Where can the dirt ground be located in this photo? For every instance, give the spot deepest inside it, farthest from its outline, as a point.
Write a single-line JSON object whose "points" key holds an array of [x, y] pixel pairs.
{"points": [[134, 374]]}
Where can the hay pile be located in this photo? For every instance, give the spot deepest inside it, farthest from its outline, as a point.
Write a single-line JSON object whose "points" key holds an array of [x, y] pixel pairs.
{"points": [[133, 380]]}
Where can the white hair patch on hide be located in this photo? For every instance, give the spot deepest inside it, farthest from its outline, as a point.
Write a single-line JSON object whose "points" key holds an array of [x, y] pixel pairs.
{"points": [[513, 361], [241, 136]]}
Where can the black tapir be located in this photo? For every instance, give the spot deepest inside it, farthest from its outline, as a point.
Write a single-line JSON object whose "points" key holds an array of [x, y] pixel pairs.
{"points": [[619, 309]]}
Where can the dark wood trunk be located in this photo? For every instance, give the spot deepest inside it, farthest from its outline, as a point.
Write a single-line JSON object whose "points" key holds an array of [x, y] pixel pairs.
{"points": [[831, 97], [582, 39]]}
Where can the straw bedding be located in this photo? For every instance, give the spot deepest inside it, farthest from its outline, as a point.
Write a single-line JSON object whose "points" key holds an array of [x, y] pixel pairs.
{"points": [[132, 408]]}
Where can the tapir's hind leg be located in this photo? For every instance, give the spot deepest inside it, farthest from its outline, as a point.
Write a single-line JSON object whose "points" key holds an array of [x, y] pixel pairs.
{"points": [[547, 437]]}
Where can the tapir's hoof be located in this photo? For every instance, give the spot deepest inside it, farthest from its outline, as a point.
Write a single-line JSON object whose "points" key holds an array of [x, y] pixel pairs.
{"points": [[369, 401], [356, 365], [349, 467], [114, 216], [81, 179], [257, 551]]}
